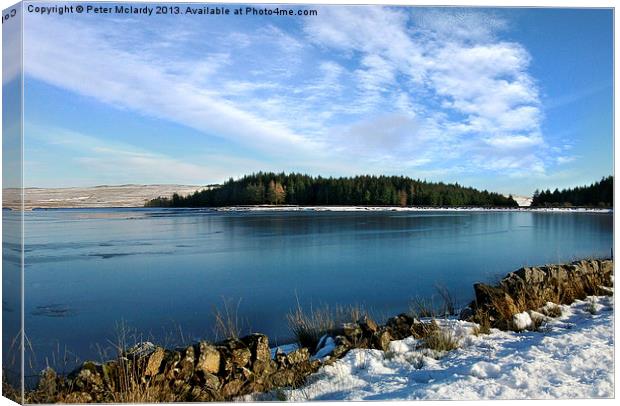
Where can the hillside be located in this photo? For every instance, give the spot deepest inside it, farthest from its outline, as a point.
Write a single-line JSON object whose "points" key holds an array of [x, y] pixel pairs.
{"points": [[97, 196]]}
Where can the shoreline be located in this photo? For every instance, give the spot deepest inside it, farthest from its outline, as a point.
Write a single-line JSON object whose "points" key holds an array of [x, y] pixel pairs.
{"points": [[336, 209], [408, 209]]}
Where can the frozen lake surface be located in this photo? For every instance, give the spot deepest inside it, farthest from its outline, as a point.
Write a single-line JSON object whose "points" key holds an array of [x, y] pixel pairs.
{"points": [[162, 271]]}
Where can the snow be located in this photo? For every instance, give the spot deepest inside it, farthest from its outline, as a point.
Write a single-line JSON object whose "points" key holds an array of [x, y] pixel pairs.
{"points": [[326, 345], [285, 348], [269, 208], [521, 321], [569, 357], [523, 201]]}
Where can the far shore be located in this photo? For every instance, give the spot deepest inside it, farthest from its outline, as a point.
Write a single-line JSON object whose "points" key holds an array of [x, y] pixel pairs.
{"points": [[408, 209], [358, 209]]}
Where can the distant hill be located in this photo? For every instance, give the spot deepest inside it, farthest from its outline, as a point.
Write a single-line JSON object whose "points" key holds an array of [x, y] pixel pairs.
{"points": [[97, 196], [598, 194], [523, 201], [299, 189]]}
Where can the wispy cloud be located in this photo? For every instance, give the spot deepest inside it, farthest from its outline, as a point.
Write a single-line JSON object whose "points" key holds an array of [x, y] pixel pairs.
{"points": [[468, 90], [97, 68], [118, 162], [360, 89]]}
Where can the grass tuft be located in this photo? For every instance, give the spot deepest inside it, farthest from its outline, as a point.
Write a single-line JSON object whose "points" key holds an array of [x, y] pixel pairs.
{"points": [[591, 306], [441, 341], [228, 324], [309, 327]]}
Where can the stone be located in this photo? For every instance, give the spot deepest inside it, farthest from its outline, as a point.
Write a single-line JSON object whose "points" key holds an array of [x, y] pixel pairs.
{"points": [[258, 344], [186, 365], [260, 367], [140, 350], [466, 314], [282, 378], [368, 325], [232, 388], [381, 340], [530, 288], [339, 351], [48, 382], [153, 362], [208, 358], [201, 395], [342, 340], [77, 397], [171, 360], [88, 380], [281, 359], [241, 356], [235, 351], [211, 381], [400, 326], [496, 300], [298, 356], [351, 330]]}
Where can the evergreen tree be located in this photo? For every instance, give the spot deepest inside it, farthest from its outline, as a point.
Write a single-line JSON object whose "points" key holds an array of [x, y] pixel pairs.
{"points": [[598, 194], [294, 188]]}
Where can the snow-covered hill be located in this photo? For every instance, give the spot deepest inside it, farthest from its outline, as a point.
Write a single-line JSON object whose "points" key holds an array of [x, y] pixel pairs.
{"points": [[523, 201], [96, 196]]}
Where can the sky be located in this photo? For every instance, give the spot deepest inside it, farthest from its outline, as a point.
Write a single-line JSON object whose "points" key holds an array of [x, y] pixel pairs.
{"points": [[508, 99]]}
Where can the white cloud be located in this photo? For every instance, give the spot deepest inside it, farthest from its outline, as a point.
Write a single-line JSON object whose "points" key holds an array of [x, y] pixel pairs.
{"points": [[458, 24], [96, 68], [360, 89], [487, 111], [561, 160]]}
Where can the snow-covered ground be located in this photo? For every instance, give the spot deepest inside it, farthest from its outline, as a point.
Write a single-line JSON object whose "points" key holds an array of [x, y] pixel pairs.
{"points": [[570, 357], [400, 209], [523, 201]]}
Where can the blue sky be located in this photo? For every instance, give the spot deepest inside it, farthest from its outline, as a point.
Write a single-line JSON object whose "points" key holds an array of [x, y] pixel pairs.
{"points": [[505, 99]]}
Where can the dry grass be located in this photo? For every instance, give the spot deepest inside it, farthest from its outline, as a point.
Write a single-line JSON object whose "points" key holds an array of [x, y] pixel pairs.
{"points": [[228, 323], [441, 340], [308, 328], [484, 322], [591, 305], [448, 305], [420, 308], [551, 310], [426, 307], [129, 382]]}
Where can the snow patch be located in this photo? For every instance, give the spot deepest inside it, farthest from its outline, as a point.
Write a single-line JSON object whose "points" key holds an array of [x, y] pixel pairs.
{"points": [[326, 345], [572, 358], [521, 321], [485, 370]]}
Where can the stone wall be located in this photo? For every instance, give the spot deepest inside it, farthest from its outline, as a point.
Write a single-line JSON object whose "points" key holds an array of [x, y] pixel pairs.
{"points": [[531, 288], [215, 372]]}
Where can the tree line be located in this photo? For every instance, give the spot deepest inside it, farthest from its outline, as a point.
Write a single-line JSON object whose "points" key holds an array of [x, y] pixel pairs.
{"points": [[299, 189], [598, 194]]}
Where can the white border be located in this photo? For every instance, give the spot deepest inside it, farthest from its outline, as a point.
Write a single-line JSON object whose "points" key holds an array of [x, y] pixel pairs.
{"points": [[480, 3]]}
